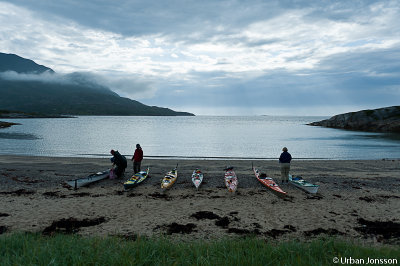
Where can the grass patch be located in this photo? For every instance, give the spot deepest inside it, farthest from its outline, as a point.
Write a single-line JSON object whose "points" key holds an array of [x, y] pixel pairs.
{"points": [[36, 249]]}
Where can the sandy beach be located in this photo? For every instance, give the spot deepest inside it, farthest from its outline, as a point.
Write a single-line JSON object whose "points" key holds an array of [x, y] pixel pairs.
{"points": [[356, 199]]}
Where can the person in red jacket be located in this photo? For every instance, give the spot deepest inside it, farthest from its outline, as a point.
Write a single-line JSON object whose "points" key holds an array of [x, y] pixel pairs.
{"points": [[137, 158]]}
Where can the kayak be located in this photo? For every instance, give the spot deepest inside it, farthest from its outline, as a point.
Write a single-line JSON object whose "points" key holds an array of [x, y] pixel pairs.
{"points": [[170, 178], [197, 178], [299, 182], [231, 181], [267, 181], [136, 179], [81, 182]]}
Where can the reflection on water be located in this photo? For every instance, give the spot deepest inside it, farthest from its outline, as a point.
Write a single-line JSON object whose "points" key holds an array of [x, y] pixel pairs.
{"points": [[194, 137], [390, 136]]}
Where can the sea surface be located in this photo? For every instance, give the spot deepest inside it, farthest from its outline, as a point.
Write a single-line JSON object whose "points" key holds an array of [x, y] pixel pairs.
{"points": [[206, 137]]}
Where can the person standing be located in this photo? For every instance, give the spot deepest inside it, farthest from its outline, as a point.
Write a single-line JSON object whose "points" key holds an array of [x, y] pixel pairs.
{"points": [[137, 159], [284, 161]]}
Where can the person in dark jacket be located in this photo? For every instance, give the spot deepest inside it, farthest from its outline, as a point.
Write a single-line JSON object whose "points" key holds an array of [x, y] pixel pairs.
{"points": [[284, 161], [120, 162], [137, 158]]}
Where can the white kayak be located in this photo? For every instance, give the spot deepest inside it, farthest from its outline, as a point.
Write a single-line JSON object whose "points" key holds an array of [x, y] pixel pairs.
{"points": [[81, 182], [299, 182], [197, 178]]}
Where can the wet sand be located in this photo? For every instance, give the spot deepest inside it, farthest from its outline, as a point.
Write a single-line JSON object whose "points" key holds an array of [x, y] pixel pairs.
{"points": [[356, 199]]}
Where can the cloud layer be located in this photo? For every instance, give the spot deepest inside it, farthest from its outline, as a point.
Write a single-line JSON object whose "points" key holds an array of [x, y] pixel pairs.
{"points": [[220, 57]]}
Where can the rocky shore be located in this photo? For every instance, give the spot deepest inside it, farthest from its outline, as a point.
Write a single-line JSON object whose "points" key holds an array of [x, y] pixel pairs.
{"points": [[15, 114], [7, 124], [378, 120], [18, 115]]}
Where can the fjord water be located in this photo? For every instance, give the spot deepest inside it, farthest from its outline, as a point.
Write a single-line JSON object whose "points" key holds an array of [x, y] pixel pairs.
{"points": [[193, 137]]}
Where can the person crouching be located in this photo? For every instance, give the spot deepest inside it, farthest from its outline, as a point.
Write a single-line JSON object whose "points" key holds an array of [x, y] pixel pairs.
{"points": [[120, 163]]}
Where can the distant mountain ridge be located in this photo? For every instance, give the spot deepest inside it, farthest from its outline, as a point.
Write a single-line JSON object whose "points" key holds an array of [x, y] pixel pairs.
{"points": [[78, 96]]}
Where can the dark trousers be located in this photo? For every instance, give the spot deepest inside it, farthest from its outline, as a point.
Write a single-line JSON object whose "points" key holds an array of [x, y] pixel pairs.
{"points": [[119, 171], [136, 167]]}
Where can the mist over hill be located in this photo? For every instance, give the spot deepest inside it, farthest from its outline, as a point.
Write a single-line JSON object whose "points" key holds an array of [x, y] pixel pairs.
{"points": [[28, 87]]}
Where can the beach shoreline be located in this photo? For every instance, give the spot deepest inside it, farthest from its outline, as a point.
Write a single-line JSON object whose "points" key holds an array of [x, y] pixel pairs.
{"points": [[356, 199]]}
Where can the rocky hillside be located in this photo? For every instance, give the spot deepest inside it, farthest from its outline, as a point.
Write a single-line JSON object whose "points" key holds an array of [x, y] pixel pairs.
{"points": [[378, 120]]}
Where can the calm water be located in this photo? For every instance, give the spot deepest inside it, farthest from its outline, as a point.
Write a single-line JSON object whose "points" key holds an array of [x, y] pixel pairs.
{"points": [[200, 136]]}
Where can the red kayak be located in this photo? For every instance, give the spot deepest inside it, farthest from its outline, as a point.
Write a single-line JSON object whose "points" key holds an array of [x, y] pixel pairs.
{"points": [[267, 181]]}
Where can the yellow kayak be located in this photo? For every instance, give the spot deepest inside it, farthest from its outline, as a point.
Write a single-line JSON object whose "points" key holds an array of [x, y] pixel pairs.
{"points": [[170, 178]]}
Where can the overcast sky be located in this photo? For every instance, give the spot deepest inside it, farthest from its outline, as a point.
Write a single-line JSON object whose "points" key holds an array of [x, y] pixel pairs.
{"points": [[211, 57]]}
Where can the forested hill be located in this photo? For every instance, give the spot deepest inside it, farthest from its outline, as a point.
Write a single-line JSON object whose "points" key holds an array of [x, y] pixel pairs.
{"points": [[28, 87], [12, 62]]}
